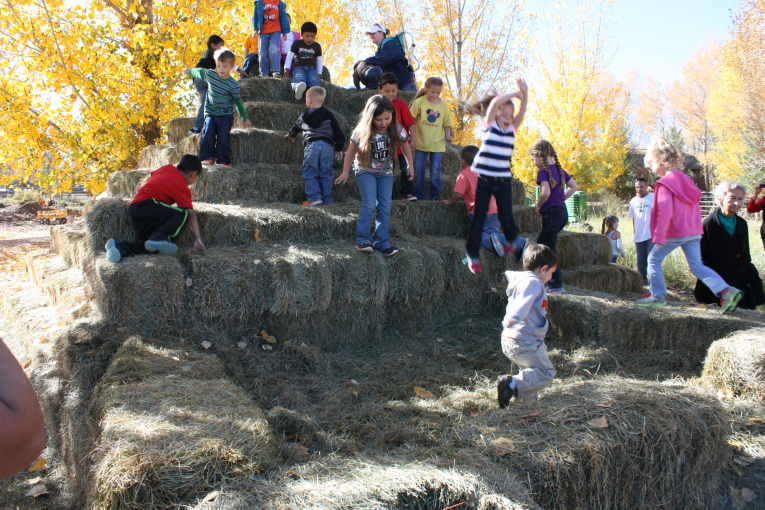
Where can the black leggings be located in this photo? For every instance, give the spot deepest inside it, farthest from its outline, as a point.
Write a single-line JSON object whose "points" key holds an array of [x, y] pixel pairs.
{"points": [[502, 190], [153, 220]]}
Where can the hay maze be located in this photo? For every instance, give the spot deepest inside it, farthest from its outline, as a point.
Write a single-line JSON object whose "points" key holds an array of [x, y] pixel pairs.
{"points": [[372, 384]]}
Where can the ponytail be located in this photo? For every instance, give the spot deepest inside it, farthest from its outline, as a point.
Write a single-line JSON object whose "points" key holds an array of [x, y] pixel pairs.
{"points": [[608, 222]]}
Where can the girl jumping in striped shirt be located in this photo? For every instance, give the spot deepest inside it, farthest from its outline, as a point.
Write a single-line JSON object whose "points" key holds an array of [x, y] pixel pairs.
{"points": [[492, 164]]}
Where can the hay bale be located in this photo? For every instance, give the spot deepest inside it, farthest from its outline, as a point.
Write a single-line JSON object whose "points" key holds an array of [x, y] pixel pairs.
{"points": [[389, 482], [155, 156], [165, 440], [106, 219], [664, 446], [63, 285], [284, 183], [71, 243], [527, 219], [216, 184], [735, 365], [266, 91], [177, 129], [428, 218], [282, 116], [125, 183], [578, 249], [138, 288], [254, 146], [611, 278], [519, 192]]}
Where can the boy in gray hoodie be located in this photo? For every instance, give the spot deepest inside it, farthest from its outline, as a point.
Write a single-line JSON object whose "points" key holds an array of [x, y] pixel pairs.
{"points": [[525, 325]]}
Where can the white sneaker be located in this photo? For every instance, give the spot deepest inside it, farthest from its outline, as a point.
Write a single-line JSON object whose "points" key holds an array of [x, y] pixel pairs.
{"points": [[299, 90]]}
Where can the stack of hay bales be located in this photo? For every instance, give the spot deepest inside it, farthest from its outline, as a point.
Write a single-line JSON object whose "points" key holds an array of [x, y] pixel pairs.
{"points": [[735, 365]]}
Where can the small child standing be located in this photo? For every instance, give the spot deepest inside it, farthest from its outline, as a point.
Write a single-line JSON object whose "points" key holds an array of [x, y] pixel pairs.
{"points": [[155, 219], [223, 93], [434, 127], [306, 53], [525, 326], [214, 43], [389, 88], [373, 143], [492, 164], [551, 205], [269, 20], [321, 132], [464, 188], [609, 229], [676, 223]]}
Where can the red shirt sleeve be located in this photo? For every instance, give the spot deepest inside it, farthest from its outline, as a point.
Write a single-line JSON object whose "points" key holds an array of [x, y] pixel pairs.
{"points": [[406, 117], [753, 207]]}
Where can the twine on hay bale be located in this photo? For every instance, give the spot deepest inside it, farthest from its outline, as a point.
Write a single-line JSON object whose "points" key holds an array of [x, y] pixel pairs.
{"points": [[165, 440], [736, 364], [664, 446]]}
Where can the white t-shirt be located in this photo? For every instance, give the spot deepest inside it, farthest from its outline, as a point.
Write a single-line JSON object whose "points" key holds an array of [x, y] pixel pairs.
{"points": [[640, 209], [286, 45]]}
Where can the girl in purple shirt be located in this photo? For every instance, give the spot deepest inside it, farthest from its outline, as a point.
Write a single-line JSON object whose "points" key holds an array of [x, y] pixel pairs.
{"points": [[551, 205]]}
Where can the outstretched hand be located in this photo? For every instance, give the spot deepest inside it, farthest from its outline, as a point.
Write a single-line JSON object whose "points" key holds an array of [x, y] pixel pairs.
{"points": [[291, 139], [342, 179], [199, 245], [339, 155], [522, 87], [247, 123]]}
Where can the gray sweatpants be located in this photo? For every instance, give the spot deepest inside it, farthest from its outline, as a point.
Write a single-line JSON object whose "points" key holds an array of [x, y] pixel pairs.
{"points": [[536, 369]]}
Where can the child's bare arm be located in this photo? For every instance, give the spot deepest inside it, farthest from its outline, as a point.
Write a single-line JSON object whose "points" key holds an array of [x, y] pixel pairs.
{"points": [[198, 244], [497, 103], [544, 194], [523, 89], [21, 419], [350, 154], [456, 197], [573, 187], [448, 134]]}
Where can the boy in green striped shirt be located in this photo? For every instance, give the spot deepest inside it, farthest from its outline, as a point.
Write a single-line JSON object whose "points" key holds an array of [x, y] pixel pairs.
{"points": [[222, 95]]}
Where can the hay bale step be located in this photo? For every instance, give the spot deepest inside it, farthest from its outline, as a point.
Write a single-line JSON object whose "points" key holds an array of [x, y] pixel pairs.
{"points": [[735, 365], [71, 243], [282, 116], [155, 156], [609, 278], [581, 316], [169, 427], [63, 285], [668, 442], [278, 91]]}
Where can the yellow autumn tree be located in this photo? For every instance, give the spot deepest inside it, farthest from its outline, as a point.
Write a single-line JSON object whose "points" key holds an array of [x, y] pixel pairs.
{"points": [[577, 105], [87, 85]]}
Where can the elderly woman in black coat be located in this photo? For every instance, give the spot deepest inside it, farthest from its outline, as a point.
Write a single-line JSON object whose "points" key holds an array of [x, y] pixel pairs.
{"points": [[725, 249]]}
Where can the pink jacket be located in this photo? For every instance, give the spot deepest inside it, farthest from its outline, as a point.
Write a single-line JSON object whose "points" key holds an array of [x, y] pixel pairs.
{"points": [[676, 212]]}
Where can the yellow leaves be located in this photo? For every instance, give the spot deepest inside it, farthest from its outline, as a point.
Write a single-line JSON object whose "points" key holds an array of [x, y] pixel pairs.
{"points": [[268, 338], [39, 465], [422, 392]]}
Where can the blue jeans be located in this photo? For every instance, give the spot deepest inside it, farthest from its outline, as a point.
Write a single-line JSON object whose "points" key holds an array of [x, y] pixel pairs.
{"points": [[373, 75], [553, 220], [270, 47], [692, 250], [309, 75], [199, 121], [490, 227], [376, 191], [250, 65], [318, 172], [216, 139], [420, 165], [502, 190], [643, 248]]}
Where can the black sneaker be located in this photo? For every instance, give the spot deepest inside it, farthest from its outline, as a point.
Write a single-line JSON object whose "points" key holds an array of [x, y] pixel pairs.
{"points": [[504, 391], [390, 251], [365, 247]]}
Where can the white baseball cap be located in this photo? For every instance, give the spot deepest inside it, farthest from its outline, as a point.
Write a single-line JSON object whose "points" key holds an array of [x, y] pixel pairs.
{"points": [[375, 27]]}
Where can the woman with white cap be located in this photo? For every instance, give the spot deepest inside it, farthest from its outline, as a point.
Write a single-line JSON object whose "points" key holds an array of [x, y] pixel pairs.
{"points": [[389, 58]]}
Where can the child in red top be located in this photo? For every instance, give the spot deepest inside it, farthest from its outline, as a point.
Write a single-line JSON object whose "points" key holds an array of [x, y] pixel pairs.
{"points": [[155, 219], [389, 88], [754, 206], [465, 187]]}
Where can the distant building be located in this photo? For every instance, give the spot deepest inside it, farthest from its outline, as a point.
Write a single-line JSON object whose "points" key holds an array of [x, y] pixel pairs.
{"points": [[693, 167]]}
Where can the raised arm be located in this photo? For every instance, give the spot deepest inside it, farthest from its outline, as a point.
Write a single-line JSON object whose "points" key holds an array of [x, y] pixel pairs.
{"points": [[523, 89]]}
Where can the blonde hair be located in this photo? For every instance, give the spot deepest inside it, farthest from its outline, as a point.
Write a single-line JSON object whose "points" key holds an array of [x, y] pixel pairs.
{"points": [[545, 149], [608, 223], [662, 151], [225, 55], [726, 187], [365, 130], [481, 107], [317, 93], [433, 81]]}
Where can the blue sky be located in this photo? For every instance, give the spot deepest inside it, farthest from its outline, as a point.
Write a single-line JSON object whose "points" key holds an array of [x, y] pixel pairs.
{"points": [[658, 36]]}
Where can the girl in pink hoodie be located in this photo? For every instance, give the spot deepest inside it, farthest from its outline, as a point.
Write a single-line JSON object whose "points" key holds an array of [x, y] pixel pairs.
{"points": [[676, 223]]}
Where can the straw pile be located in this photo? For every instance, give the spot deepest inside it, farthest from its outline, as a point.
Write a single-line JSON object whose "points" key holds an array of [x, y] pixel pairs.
{"points": [[71, 243], [611, 278], [165, 440], [125, 183], [390, 482], [662, 446], [137, 288], [155, 156], [736, 364], [177, 129]]}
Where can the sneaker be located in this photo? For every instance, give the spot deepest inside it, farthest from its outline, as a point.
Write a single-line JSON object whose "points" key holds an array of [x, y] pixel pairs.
{"points": [[517, 247], [112, 253], [153, 245], [652, 301], [410, 198], [208, 162], [505, 392], [309, 204], [300, 89], [390, 251], [365, 247], [643, 296], [473, 264], [730, 300], [278, 76], [558, 290], [496, 242]]}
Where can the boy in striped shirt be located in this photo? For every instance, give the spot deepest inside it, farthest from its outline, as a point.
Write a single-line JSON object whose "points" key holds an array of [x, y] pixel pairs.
{"points": [[492, 164], [222, 95]]}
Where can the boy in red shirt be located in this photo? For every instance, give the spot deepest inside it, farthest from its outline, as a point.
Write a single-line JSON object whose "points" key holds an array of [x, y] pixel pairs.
{"points": [[155, 219], [464, 188], [389, 88]]}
